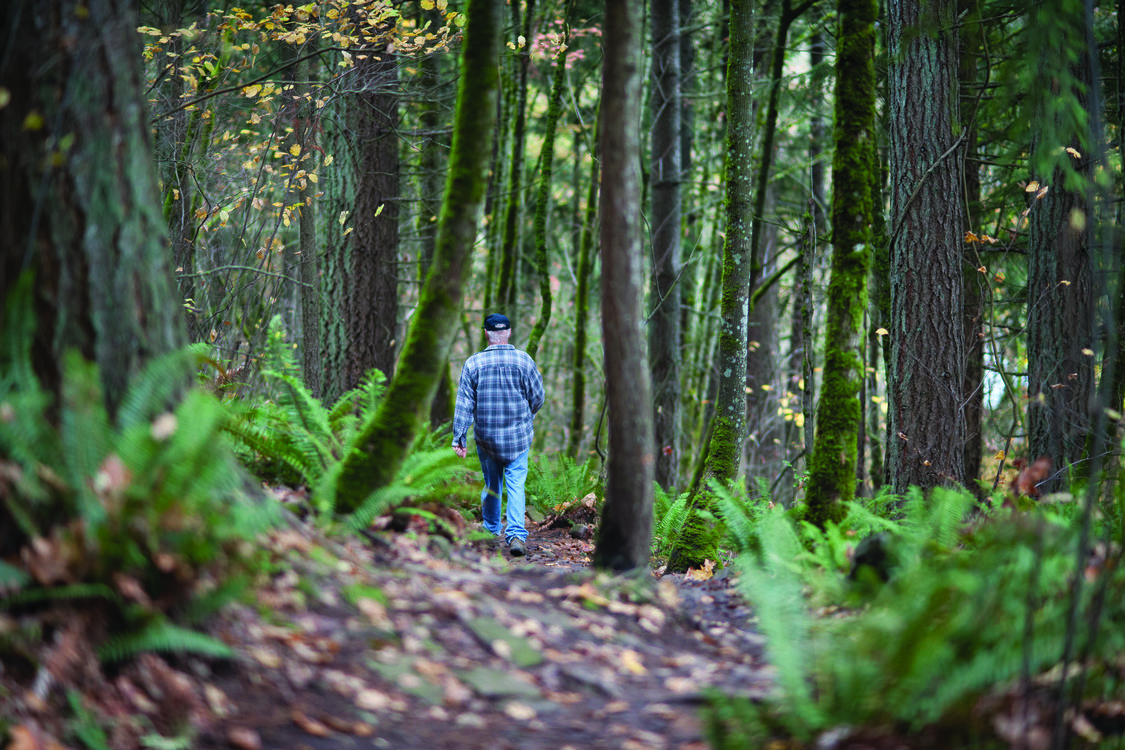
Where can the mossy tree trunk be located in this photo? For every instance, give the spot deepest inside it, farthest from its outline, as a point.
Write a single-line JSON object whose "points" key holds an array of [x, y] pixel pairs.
{"points": [[625, 531], [543, 199], [79, 199], [832, 468], [664, 330], [586, 259], [387, 437], [926, 337], [699, 538], [507, 290], [432, 150]]}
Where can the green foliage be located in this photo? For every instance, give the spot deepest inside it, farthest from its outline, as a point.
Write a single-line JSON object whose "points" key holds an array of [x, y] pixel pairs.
{"points": [[930, 643], [430, 471], [670, 516], [85, 725], [290, 436], [555, 479], [162, 636], [293, 437], [150, 501]]}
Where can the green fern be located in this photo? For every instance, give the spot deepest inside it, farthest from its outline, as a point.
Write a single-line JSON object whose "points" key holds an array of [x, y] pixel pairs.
{"points": [[86, 726], [556, 479], [430, 470], [930, 643], [669, 520], [162, 636]]}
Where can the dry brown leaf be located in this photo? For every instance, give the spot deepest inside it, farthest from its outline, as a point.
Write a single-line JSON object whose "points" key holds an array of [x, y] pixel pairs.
{"points": [[244, 738], [311, 726]]}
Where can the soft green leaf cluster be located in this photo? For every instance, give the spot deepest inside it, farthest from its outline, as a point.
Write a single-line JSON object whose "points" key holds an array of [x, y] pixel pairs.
{"points": [[556, 479], [293, 438], [974, 599], [152, 495]]}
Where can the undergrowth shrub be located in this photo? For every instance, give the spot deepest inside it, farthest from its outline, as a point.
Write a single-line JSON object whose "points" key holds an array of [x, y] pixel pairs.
{"points": [[138, 513], [290, 437], [555, 480], [974, 603]]}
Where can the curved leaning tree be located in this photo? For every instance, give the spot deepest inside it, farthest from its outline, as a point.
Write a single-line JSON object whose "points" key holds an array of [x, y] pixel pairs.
{"points": [[386, 439]]}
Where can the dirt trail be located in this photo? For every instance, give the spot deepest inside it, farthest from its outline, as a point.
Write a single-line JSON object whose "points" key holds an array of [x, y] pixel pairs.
{"points": [[417, 642]]}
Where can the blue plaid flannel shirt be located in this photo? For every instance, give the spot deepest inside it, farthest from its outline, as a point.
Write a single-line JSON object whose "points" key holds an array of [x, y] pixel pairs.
{"points": [[499, 393]]}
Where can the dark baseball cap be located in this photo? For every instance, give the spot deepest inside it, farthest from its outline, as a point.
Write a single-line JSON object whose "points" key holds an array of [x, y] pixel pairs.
{"points": [[496, 322]]}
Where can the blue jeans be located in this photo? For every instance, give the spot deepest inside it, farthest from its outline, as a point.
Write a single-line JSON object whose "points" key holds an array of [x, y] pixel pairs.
{"points": [[498, 476]]}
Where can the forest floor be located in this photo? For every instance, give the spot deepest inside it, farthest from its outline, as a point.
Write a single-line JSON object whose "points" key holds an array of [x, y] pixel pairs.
{"points": [[415, 640]]}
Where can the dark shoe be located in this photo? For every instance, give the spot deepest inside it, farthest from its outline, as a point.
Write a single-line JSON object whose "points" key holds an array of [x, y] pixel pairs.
{"points": [[516, 547]]}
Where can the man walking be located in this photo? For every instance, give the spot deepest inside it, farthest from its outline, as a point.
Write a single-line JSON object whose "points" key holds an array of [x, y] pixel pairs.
{"points": [[499, 393]]}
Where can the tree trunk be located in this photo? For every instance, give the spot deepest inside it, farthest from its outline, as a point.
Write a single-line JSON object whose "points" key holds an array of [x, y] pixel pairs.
{"points": [[88, 225], [507, 292], [832, 468], [1060, 319], [699, 538], [928, 354], [543, 199], [387, 438], [371, 314], [665, 294], [625, 531], [582, 306], [975, 282]]}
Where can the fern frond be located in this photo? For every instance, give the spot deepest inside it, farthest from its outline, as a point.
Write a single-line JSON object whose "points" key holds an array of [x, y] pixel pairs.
{"points": [[60, 593], [157, 388], [421, 473], [163, 636], [739, 519], [86, 434], [666, 530]]}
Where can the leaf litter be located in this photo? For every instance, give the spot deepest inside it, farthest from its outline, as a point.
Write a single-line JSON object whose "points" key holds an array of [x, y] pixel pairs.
{"points": [[403, 640]]}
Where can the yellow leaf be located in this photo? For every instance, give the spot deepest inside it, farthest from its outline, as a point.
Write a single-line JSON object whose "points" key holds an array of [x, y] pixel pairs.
{"points": [[328, 160], [1073, 152], [881, 331], [631, 660], [1088, 352], [379, 210], [295, 149], [1031, 187], [971, 238], [427, 4], [252, 91], [1000, 455]]}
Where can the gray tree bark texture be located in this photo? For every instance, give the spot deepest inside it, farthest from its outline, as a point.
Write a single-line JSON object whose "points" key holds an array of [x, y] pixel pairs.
{"points": [[78, 190], [625, 533], [927, 433], [664, 330]]}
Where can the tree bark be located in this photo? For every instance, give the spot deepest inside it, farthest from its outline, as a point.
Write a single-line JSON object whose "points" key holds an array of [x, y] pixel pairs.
{"points": [[625, 532], [1060, 317], [832, 468], [87, 222], [387, 438], [665, 293], [699, 538], [928, 355]]}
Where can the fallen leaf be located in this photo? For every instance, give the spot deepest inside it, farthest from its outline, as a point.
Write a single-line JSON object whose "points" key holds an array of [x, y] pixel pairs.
{"points": [[244, 738], [311, 726], [631, 660]]}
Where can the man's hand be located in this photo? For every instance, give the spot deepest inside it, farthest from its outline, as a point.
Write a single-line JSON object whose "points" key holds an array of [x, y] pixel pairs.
{"points": [[459, 450]]}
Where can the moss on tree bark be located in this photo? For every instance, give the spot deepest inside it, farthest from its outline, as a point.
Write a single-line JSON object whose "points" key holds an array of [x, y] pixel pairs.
{"points": [[385, 440]]}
